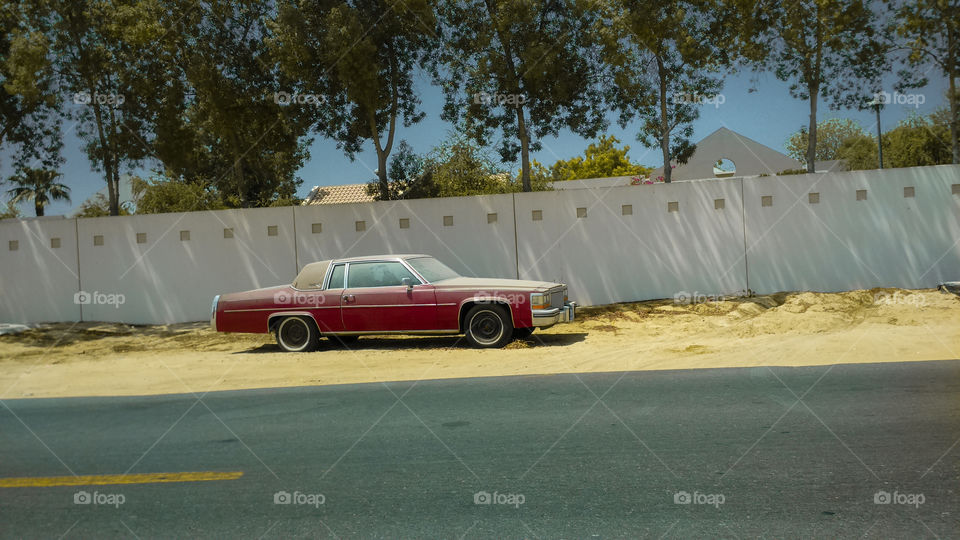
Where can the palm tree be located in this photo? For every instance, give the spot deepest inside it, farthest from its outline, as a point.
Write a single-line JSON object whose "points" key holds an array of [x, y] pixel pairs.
{"points": [[38, 185]]}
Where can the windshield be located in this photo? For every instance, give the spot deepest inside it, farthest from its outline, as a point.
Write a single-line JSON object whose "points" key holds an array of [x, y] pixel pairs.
{"points": [[431, 269]]}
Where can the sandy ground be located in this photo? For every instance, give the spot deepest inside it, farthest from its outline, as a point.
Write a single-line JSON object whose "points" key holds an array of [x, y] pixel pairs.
{"points": [[789, 329]]}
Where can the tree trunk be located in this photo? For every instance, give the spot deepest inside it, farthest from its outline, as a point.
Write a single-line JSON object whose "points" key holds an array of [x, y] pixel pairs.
{"points": [[113, 177], [108, 157], [524, 150], [814, 91], [664, 122], [38, 207], [954, 117], [382, 175]]}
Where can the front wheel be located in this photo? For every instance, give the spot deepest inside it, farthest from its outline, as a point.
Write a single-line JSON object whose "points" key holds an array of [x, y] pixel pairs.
{"points": [[488, 326], [297, 334]]}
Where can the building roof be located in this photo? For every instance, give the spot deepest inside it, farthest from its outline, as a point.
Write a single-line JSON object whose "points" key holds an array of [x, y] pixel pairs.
{"points": [[346, 193], [748, 156]]}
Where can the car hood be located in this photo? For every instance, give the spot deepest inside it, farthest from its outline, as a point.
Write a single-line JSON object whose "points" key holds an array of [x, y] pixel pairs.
{"points": [[494, 283]]}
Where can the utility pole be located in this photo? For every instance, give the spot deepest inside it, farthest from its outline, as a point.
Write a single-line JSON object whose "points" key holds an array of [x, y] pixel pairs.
{"points": [[879, 99]]}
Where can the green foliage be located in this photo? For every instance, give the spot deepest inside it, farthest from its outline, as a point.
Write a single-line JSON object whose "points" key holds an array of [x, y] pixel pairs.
{"points": [[827, 49], [39, 186], [221, 121], [10, 210], [918, 141], [831, 135], [457, 167], [600, 160], [358, 59], [665, 58], [929, 31], [160, 195], [29, 118], [859, 152], [523, 69]]}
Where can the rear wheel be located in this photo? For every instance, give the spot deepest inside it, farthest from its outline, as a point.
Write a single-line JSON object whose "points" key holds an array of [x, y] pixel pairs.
{"points": [[297, 334], [488, 326]]}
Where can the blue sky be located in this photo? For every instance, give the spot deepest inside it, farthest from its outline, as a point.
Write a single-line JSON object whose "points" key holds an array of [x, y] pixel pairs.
{"points": [[768, 115]]}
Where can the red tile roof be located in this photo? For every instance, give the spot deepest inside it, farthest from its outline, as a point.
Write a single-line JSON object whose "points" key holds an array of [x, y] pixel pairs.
{"points": [[347, 193]]}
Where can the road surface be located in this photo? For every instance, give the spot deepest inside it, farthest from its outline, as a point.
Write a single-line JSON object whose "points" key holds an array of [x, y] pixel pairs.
{"points": [[840, 452]]}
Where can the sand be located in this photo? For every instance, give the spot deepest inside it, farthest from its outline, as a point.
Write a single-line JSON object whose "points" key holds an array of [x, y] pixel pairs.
{"points": [[788, 329]]}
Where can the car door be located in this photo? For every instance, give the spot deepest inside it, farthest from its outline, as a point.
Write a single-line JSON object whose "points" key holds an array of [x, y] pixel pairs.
{"points": [[376, 300]]}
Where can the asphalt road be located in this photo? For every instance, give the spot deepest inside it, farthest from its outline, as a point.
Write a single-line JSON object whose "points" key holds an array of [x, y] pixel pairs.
{"points": [[759, 452]]}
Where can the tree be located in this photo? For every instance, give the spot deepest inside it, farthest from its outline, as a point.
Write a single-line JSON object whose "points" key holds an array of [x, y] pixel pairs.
{"points": [[524, 68], [918, 141], [162, 195], [826, 49], [223, 120], [664, 57], [39, 186], [29, 117], [355, 61], [10, 210], [406, 177], [930, 30], [600, 160], [92, 50], [859, 152], [831, 135]]}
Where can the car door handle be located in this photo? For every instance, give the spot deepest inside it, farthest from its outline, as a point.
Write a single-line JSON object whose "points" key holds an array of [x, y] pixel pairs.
{"points": [[349, 298]]}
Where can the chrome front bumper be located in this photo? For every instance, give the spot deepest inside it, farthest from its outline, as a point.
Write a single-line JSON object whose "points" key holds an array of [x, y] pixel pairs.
{"points": [[213, 313], [543, 318]]}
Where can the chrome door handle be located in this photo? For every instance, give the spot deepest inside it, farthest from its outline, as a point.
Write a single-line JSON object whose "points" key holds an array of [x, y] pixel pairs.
{"points": [[349, 298]]}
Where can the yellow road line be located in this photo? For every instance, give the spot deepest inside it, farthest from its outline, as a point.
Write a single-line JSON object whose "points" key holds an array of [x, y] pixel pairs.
{"points": [[106, 479]]}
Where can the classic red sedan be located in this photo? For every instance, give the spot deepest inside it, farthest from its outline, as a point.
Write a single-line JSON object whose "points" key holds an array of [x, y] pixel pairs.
{"points": [[343, 299]]}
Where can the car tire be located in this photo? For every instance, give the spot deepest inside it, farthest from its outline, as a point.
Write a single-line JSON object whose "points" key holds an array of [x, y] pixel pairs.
{"points": [[343, 341], [488, 326], [297, 334], [522, 333]]}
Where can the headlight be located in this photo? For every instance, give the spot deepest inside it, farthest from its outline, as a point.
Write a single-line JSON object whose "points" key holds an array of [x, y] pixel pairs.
{"points": [[539, 301]]}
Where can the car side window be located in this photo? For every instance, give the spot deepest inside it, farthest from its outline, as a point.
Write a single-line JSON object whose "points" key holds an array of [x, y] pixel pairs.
{"points": [[378, 274], [336, 277]]}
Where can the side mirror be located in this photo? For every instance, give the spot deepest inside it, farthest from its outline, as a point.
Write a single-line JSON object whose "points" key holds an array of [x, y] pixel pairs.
{"points": [[408, 283]]}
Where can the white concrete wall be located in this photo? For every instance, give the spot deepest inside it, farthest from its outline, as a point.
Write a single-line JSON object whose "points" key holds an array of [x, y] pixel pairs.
{"points": [[168, 280], [472, 246], [838, 244], [37, 281], [608, 257], [843, 244]]}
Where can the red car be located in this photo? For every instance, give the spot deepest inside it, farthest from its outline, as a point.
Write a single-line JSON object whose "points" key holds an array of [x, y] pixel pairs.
{"points": [[343, 299]]}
